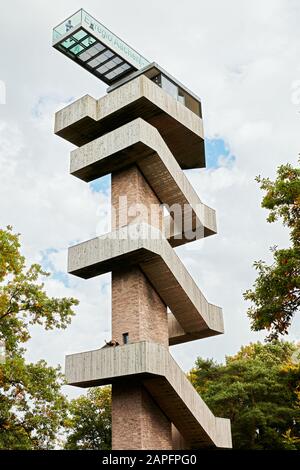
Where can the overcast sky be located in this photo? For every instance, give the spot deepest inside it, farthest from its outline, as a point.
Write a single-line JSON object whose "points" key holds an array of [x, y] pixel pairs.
{"points": [[241, 58]]}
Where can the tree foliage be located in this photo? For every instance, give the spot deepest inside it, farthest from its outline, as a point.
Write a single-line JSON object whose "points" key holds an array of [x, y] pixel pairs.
{"points": [[276, 292], [89, 421], [32, 407], [259, 390]]}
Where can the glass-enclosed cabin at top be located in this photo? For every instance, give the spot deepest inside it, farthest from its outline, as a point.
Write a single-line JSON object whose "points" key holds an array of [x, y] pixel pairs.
{"points": [[86, 41]]}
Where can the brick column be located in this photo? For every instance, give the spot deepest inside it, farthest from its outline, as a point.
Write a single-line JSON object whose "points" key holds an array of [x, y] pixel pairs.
{"points": [[138, 314]]}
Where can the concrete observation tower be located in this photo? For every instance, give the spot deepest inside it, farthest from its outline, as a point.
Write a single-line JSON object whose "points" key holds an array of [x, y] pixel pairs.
{"points": [[145, 131]]}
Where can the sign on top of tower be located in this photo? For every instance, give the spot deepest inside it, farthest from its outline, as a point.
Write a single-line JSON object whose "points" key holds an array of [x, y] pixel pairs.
{"points": [[86, 41]]}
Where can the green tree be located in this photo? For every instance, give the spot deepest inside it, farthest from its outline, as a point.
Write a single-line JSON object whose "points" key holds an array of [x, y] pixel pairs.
{"points": [[89, 421], [276, 291], [259, 390], [32, 407]]}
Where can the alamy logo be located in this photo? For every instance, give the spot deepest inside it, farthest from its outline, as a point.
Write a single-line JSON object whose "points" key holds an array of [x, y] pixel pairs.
{"points": [[2, 92]]}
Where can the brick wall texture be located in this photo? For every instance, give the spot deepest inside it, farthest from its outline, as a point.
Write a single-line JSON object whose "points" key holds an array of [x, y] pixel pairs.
{"points": [[137, 422]]}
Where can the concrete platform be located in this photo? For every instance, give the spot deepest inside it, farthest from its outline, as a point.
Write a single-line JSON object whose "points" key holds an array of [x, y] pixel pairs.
{"points": [[136, 245], [87, 119], [138, 142], [163, 379]]}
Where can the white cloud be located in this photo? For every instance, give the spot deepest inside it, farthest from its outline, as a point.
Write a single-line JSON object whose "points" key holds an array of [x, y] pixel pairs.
{"points": [[240, 57]]}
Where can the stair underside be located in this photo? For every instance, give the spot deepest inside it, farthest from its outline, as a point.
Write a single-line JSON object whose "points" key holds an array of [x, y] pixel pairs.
{"points": [[164, 380], [164, 270], [138, 142], [87, 119]]}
